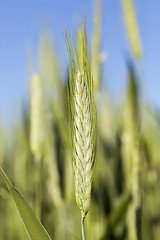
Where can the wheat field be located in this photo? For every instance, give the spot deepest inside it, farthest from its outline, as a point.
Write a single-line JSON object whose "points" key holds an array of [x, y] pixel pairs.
{"points": [[84, 168]]}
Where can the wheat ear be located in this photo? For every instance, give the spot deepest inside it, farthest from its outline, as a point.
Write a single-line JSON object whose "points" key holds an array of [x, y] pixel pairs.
{"points": [[132, 27], [37, 132], [82, 121], [82, 143]]}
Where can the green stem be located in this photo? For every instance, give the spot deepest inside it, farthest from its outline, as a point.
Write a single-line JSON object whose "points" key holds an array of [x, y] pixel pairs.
{"points": [[38, 199], [82, 226]]}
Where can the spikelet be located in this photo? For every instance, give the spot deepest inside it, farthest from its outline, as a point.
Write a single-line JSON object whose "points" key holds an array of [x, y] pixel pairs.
{"points": [[36, 117], [82, 120]]}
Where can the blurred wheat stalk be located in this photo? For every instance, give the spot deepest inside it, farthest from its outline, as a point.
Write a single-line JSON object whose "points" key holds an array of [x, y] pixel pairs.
{"points": [[82, 120], [132, 27]]}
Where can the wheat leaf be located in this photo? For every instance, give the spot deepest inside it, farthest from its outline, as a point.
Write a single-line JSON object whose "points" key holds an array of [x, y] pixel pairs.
{"points": [[32, 225]]}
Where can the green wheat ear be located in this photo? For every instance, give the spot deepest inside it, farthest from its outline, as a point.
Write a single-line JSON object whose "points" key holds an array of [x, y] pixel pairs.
{"points": [[37, 112], [132, 27], [82, 118]]}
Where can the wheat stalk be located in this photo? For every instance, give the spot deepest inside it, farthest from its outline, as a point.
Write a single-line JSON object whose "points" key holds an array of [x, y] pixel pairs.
{"points": [[82, 121]]}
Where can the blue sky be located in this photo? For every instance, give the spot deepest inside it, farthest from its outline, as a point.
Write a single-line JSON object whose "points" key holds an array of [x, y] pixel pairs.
{"points": [[23, 22]]}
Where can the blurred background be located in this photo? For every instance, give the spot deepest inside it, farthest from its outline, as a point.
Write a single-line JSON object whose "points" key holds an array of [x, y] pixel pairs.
{"points": [[22, 25], [35, 151]]}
